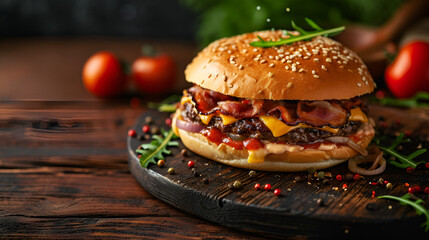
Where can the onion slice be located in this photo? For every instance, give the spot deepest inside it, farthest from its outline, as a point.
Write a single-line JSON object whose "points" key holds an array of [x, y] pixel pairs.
{"points": [[350, 143], [373, 170], [189, 126]]}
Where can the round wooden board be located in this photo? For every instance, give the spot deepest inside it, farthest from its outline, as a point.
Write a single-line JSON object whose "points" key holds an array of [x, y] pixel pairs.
{"points": [[349, 209]]}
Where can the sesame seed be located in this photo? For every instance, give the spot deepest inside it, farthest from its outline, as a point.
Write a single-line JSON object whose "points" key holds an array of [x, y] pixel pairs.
{"points": [[271, 65], [270, 57], [256, 59], [259, 55], [358, 84], [255, 49], [230, 85], [270, 74], [263, 61], [328, 60], [313, 71], [277, 57], [281, 55], [289, 61], [306, 57], [244, 50], [316, 76], [316, 59], [364, 78], [297, 63], [287, 67], [289, 85], [224, 78], [240, 67], [301, 70], [324, 68], [335, 57], [339, 62], [294, 68], [283, 60], [210, 75]]}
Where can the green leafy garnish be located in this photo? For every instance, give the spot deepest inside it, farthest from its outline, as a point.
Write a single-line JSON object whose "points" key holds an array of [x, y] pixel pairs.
{"points": [[167, 105], [417, 205], [157, 148], [404, 161], [418, 100], [304, 35]]}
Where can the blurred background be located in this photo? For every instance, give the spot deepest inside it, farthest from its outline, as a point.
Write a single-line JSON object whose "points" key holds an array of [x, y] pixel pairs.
{"points": [[45, 43]]}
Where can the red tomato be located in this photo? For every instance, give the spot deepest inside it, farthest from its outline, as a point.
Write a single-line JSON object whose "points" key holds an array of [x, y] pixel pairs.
{"points": [[103, 76], [154, 75], [409, 72]]}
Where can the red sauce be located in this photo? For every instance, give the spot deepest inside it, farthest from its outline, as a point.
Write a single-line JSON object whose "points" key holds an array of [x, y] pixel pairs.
{"points": [[217, 137]]}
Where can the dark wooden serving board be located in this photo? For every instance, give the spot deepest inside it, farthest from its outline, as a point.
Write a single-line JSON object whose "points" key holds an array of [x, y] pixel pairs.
{"points": [[346, 212]]}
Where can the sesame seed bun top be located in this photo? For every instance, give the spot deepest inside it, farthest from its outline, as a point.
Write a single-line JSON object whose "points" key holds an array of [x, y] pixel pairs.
{"points": [[318, 69]]}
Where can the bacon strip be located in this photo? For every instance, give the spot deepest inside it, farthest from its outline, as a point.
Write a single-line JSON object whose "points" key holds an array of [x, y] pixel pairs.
{"points": [[241, 110], [320, 113]]}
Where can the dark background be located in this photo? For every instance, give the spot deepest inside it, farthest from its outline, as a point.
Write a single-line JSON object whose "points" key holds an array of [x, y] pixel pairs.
{"points": [[166, 19]]}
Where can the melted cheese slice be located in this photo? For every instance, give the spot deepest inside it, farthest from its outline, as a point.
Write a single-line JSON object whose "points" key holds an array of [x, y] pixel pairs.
{"points": [[206, 118], [279, 128], [356, 114], [226, 120], [257, 156]]}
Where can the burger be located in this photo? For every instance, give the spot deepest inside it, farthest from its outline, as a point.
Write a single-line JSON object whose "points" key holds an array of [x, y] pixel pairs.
{"points": [[283, 108]]}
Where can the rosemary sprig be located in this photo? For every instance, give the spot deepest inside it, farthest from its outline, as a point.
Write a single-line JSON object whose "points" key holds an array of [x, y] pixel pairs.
{"points": [[404, 161], [167, 105], [418, 100], [417, 205], [157, 148], [304, 35]]}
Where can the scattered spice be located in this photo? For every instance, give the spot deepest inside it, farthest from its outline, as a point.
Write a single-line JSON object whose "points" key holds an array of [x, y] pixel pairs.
{"points": [[426, 190], [370, 206], [148, 120], [389, 185], [160, 163], [171, 170], [339, 177], [184, 152], [267, 187], [146, 129], [373, 194], [191, 164], [321, 175], [252, 174], [205, 180], [236, 184], [320, 202], [356, 177], [325, 181], [155, 130], [410, 170], [195, 172], [132, 133], [297, 179], [277, 192], [168, 121], [348, 177], [257, 186]]}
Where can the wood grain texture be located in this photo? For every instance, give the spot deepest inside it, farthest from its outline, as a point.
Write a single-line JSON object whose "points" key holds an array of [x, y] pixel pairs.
{"points": [[349, 211], [64, 175]]}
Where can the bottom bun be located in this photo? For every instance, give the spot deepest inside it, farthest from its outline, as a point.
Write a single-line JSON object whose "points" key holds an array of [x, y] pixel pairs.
{"points": [[287, 161]]}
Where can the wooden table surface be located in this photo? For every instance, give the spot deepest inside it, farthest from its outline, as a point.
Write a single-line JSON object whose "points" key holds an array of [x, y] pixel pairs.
{"points": [[63, 157]]}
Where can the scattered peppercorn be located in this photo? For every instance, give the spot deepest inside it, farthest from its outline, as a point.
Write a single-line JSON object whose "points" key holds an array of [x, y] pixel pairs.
{"points": [[155, 130], [298, 179], [148, 120], [277, 192], [205, 180], [410, 170], [147, 137], [267, 187], [389, 185], [184, 152], [236, 184], [160, 163], [326, 181], [195, 172], [257, 186], [339, 177], [411, 190], [171, 170], [320, 202], [321, 175], [132, 133], [146, 129], [328, 174], [168, 121], [191, 164], [348, 177], [356, 177], [252, 174]]}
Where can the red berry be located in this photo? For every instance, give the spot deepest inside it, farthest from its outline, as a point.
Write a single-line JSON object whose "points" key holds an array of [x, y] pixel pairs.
{"points": [[146, 128], [132, 133], [410, 170], [191, 164], [339, 177], [257, 186], [277, 192], [168, 121], [411, 190], [385, 182], [267, 187], [427, 165], [356, 177], [417, 188], [427, 190]]}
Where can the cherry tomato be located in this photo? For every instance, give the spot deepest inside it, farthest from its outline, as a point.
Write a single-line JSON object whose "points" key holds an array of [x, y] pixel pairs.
{"points": [[409, 72], [154, 75], [103, 76]]}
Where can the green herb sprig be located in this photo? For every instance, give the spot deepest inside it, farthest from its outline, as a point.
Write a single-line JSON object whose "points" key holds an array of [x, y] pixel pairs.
{"points": [[167, 105], [404, 161], [304, 35], [157, 148], [417, 205], [420, 99]]}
